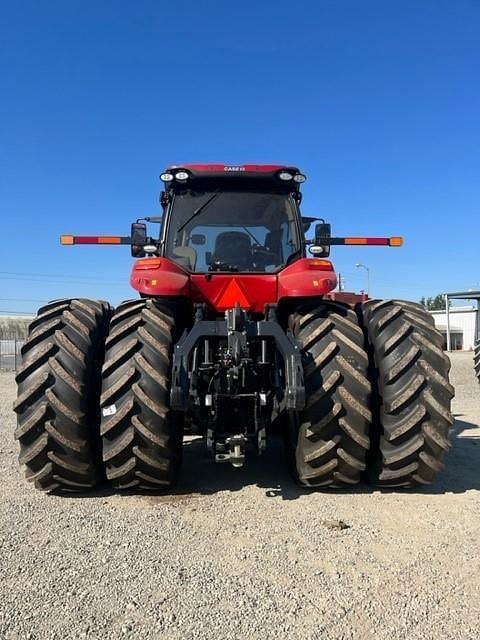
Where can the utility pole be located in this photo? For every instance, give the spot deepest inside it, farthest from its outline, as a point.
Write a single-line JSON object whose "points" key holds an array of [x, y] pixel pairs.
{"points": [[367, 269], [447, 311]]}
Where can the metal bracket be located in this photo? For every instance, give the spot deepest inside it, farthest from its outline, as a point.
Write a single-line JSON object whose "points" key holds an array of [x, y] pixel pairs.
{"points": [[236, 451], [294, 392]]}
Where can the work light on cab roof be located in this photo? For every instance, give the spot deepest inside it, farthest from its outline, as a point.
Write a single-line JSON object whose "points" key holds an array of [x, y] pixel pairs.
{"points": [[182, 173]]}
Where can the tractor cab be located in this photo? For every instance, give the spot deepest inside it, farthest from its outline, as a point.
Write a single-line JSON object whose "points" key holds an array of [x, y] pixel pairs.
{"points": [[222, 218]]}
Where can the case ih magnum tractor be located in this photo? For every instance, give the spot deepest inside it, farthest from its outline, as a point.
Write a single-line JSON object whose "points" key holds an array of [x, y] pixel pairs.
{"points": [[236, 329]]}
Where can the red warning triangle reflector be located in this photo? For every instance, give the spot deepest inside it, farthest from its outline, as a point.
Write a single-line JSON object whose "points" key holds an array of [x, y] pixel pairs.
{"points": [[231, 295]]}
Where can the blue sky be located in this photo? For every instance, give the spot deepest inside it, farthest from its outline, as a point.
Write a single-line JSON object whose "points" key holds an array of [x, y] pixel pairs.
{"points": [[377, 102]]}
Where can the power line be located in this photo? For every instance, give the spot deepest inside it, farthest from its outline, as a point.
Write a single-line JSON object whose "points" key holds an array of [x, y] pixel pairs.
{"points": [[18, 313], [15, 275], [22, 300], [110, 283]]}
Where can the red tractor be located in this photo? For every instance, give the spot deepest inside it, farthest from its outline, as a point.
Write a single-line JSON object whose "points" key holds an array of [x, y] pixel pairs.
{"points": [[236, 329]]}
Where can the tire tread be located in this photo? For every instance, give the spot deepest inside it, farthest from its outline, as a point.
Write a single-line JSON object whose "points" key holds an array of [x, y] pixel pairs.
{"points": [[57, 395], [142, 439], [331, 441], [413, 393]]}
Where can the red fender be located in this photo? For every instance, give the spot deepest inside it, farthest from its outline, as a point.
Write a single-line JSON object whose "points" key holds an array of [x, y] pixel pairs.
{"points": [[160, 277], [306, 278]]}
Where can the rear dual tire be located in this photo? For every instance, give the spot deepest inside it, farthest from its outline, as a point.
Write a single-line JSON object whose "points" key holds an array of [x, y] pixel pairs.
{"points": [[412, 415], [58, 394], [329, 439], [142, 438], [377, 392]]}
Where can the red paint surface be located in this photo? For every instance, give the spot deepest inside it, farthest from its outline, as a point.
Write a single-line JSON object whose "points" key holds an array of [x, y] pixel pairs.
{"points": [[244, 168], [300, 280], [168, 279], [223, 290]]}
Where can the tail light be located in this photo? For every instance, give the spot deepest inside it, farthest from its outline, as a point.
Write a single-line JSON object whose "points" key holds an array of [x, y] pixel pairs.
{"points": [[320, 265], [148, 263]]}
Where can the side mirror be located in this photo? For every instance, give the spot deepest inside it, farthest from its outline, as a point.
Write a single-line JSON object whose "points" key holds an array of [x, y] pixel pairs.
{"points": [[322, 231], [138, 236]]}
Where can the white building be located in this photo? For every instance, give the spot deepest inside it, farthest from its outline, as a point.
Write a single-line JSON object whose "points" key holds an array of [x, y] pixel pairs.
{"points": [[463, 326]]}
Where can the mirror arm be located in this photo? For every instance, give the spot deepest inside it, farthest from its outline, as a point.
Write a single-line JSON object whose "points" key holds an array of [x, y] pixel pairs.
{"points": [[154, 219]]}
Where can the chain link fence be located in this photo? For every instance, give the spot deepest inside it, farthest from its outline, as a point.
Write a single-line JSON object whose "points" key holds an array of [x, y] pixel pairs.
{"points": [[13, 333], [10, 348]]}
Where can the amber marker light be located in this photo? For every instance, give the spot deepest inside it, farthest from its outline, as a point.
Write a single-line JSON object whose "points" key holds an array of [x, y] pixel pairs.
{"points": [[148, 263], [109, 240], [67, 240], [317, 263], [396, 241], [355, 241]]}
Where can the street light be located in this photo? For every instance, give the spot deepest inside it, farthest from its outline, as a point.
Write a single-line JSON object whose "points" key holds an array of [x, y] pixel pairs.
{"points": [[359, 264]]}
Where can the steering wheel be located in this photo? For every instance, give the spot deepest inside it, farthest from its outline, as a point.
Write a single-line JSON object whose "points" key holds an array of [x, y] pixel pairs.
{"points": [[218, 265], [258, 249], [262, 255]]}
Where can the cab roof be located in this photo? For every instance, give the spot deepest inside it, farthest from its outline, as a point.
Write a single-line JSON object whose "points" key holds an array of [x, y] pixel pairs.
{"points": [[233, 168], [216, 171]]}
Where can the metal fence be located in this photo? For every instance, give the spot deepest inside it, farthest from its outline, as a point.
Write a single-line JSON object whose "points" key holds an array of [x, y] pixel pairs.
{"points": [[10, 347]]}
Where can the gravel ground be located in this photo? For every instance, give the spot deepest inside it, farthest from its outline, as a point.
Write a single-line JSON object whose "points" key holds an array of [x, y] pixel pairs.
{"points": [[245, 553]]}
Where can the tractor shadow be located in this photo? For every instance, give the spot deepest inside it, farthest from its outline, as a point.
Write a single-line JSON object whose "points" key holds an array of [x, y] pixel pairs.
{"points": [[200, 475], [462, 463], [270, 471]]}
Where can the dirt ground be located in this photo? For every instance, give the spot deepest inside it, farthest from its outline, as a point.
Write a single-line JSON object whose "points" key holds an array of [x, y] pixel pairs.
{"points": [[244, 553]]}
